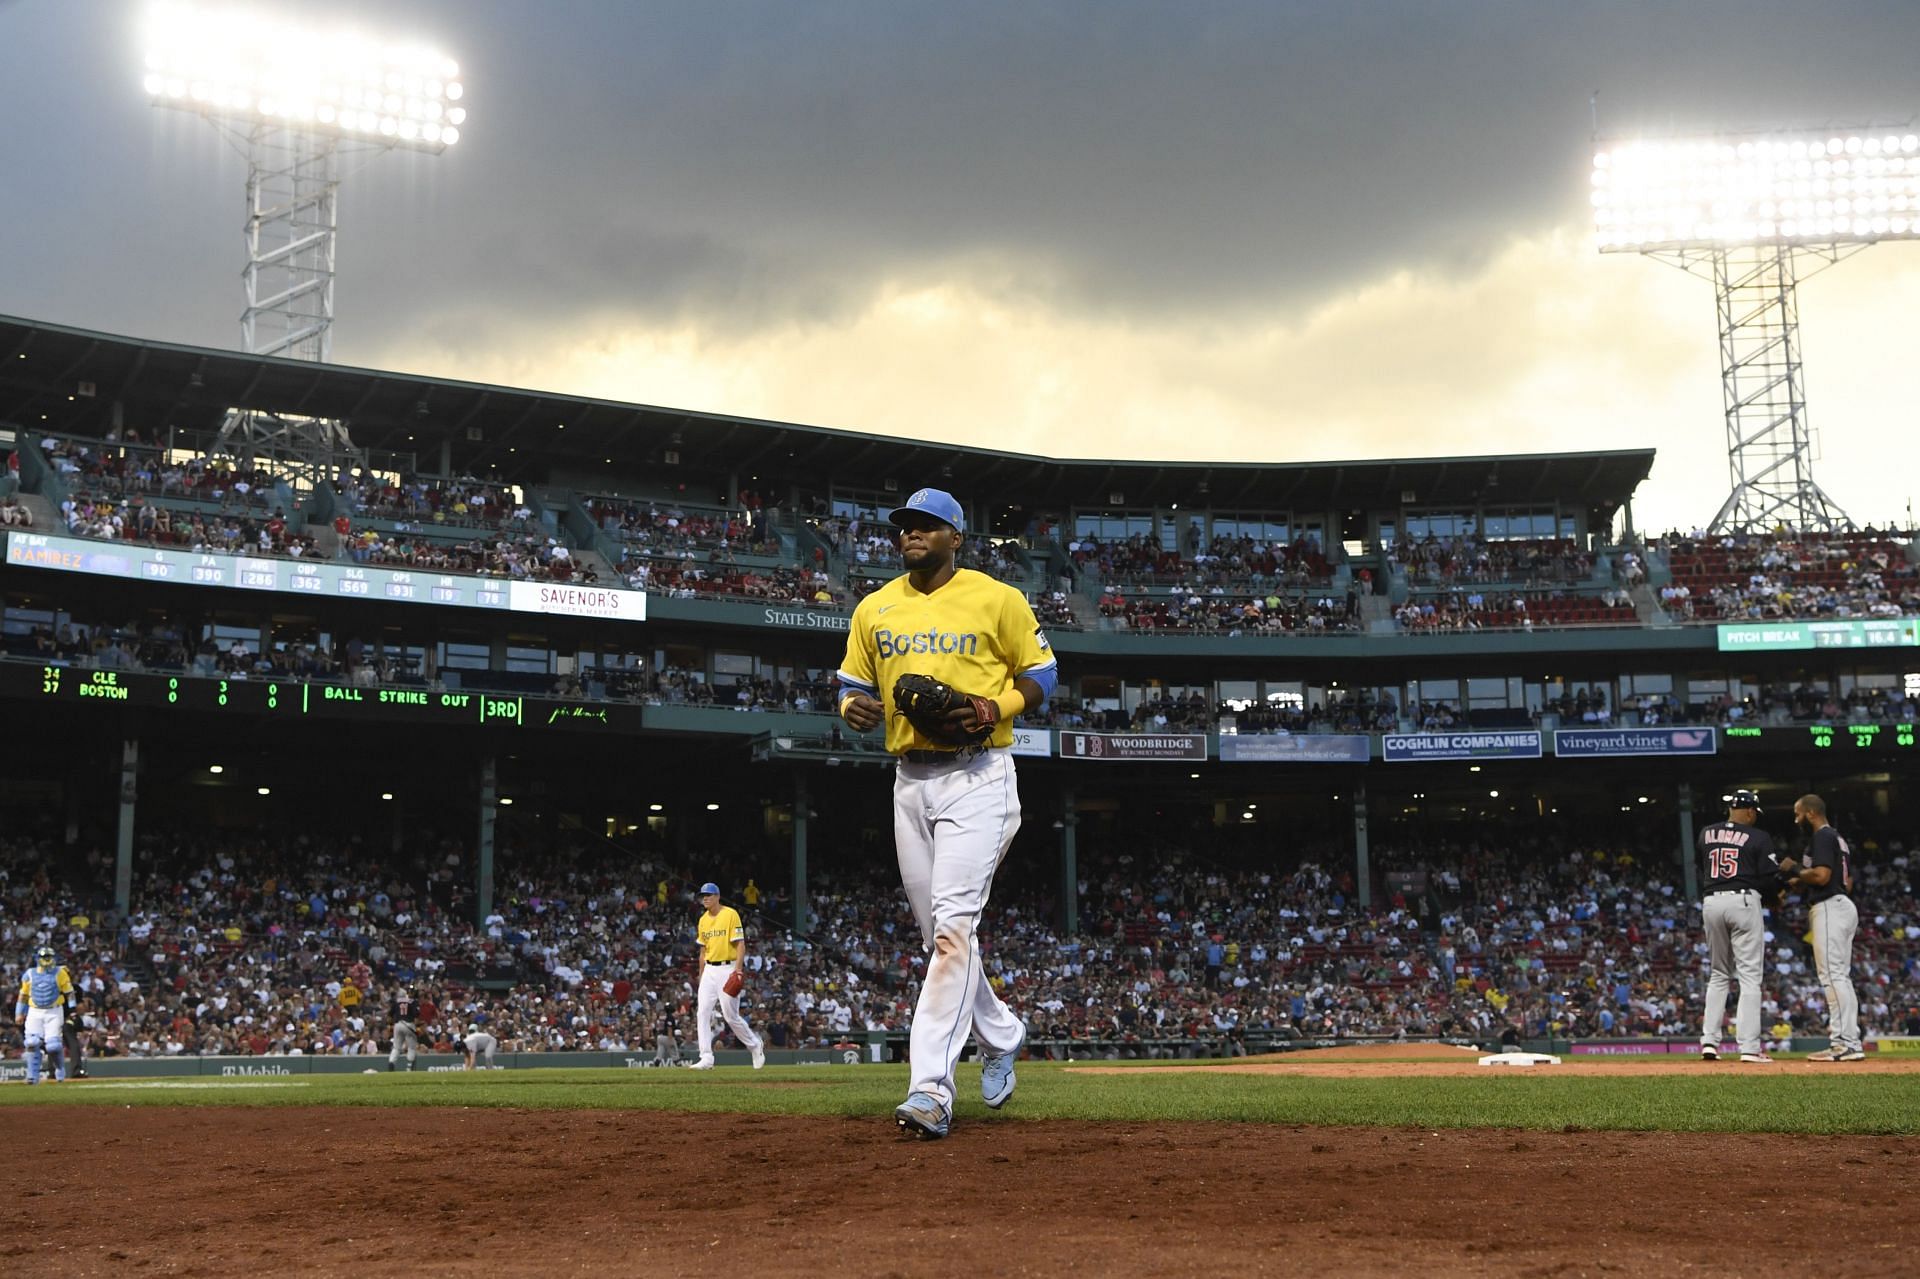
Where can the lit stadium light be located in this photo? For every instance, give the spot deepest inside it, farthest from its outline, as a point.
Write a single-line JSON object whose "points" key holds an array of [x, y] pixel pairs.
{"points": [[236, 65], [1708, 193]]}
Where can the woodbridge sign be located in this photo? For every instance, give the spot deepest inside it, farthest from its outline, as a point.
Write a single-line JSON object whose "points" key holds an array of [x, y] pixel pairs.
{"points": [[1116, 746]]}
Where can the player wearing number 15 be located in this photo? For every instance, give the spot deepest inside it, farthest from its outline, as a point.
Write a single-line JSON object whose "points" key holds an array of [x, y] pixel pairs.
{"points": [[1742, 870]]}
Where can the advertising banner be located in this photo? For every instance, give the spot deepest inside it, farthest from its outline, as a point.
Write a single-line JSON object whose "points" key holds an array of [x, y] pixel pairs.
{"points": [[1329, 748], [1401, 748], [1632, 1048], [292, 1068], [1589, 743], [338, 579], [1128, 746], [1033, 741]]}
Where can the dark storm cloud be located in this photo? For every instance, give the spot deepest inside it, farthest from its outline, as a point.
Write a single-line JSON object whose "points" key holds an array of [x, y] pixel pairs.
{"points": [[750, 165]]}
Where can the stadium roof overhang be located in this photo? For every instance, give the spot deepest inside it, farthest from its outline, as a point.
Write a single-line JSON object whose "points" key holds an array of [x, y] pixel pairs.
{"points": [[78, 379]]}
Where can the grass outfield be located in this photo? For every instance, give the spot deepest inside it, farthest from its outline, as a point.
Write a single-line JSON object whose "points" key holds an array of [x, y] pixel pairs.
{"points": [[1831, 1104]]}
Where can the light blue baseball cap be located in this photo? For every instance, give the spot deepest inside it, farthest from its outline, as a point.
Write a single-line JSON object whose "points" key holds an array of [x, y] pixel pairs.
{"points": [[709, 890], [935, 502]]}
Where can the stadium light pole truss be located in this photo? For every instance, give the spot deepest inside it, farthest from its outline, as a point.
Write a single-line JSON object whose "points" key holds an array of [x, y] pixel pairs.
{"points": [[1757, 214], [296, 101]]}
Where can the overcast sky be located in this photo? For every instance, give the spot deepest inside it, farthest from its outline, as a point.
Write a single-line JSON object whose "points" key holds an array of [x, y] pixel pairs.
{"points": [[1252, 231]]}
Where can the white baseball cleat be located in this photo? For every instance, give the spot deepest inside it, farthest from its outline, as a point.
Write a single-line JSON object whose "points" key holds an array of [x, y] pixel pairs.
{"points": [[1709, 1053], [922, 1115], [1762, 1057], [705, 1063], [759, 1057], [996, 1074], [1838, 1054]]}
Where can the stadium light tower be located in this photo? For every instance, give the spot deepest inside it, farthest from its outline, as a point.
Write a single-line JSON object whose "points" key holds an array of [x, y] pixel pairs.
{"points": [[294, 100], [1756, 214]]}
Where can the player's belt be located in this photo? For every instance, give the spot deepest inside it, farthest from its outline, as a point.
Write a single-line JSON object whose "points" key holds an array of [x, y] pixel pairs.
{"points": [[945, 757], [718, 963], [1723, 892]]}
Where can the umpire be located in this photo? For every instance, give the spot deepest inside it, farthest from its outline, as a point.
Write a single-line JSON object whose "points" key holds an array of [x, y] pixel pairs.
{"points": [[1742, 872]]}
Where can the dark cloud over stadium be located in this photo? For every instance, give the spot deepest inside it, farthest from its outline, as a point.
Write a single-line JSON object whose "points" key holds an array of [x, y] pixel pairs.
{"points": [[1246, 229]]}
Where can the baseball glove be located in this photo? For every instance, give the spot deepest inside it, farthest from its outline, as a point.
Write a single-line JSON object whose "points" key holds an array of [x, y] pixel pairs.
{"points": [[927, 703], [736, 981]]}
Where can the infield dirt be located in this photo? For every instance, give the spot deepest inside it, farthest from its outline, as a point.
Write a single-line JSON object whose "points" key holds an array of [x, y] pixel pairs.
{"points": [[1433, 1061], [331, 1191]]}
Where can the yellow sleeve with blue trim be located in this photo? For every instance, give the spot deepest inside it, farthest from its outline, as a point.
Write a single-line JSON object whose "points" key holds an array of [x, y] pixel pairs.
{"points": [[856, 673], [1026, 645]]}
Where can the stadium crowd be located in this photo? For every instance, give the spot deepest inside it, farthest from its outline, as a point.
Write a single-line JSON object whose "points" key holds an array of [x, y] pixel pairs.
{"points": [[465, 502], [124, 466], [720, 576], [1234, 564], [675, 529], [1762, 577], [255, 943], [1433, 560], [135, 519]]}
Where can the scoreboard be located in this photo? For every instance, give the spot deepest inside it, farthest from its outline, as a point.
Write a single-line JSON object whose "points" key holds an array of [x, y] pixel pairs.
{"points": [[1786, 636], [1900, 736], [69, 686]]}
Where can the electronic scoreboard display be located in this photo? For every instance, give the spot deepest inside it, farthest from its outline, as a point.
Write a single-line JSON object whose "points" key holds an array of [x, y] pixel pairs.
{"points": [[1822, 737], [293, 699]]}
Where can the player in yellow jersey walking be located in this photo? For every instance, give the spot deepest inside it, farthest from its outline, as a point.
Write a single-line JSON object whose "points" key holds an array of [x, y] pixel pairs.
{"points": [[955, 802], [723, 943]]}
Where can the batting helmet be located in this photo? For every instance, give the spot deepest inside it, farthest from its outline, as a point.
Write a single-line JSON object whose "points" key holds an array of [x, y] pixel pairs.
{"points": [[1743, 798]]}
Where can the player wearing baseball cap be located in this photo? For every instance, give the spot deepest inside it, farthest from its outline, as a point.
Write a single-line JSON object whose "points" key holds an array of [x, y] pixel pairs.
{"points": [[945, 657], [723, 943], [1742, 875]]}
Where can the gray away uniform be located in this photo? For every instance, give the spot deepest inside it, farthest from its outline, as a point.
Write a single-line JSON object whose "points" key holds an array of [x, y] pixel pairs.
{"points": [[1835, 919], [1741, 867]]}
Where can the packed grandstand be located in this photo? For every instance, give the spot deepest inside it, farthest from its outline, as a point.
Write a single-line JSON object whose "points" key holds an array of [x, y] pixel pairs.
{"points": [[259, 943], [1170, 903]]}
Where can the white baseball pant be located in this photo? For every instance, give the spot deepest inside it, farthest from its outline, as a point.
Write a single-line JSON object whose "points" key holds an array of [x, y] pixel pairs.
{"points": [[404, 1041], [952, 825], [1736, 948], [1835, 921], [44, 1029], [712, 978]]}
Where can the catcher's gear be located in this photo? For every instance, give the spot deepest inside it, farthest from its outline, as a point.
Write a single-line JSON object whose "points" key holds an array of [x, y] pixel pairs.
{"points": [[46, 959], [927, 703], [735, 983]]}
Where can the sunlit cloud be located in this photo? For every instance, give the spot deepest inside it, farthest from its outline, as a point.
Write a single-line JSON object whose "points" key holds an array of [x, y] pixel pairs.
{"points": [[1549, 347]]}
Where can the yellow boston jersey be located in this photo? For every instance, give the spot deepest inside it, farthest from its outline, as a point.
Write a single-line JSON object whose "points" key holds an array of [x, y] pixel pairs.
{"points": [[974, 632], [45, 989], [717, 934]]}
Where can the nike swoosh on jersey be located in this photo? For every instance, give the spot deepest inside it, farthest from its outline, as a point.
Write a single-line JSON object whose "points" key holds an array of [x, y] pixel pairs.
{"points": [[883, 608]]}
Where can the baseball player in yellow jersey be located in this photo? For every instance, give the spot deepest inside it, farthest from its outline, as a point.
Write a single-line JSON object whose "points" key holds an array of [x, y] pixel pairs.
{"points": [[723, 942], [40, 1008], [955, 809]]}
